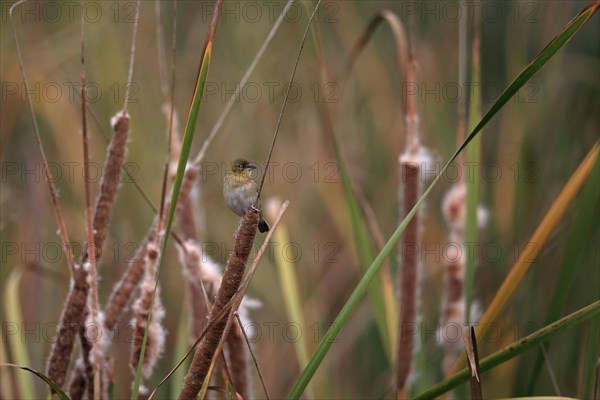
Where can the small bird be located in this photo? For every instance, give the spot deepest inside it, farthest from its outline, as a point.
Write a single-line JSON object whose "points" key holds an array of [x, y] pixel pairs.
{"points": [[240, 190]]}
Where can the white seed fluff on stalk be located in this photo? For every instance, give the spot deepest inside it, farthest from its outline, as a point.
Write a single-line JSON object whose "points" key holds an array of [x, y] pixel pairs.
{"points": [[114, 119], [156, 333], [200, 267], [454, 207]]}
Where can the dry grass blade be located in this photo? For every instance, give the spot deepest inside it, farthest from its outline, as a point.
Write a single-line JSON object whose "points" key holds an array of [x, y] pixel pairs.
{"points": [[399, 34], [539, 238], [169, 96], [136, 22]]}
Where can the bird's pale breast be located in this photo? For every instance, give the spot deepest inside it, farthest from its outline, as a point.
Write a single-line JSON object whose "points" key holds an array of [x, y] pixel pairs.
{"points": [[239, 196]]}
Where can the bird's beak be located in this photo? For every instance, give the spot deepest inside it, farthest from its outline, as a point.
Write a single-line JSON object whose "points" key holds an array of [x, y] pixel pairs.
{"points": [[251, 166]]}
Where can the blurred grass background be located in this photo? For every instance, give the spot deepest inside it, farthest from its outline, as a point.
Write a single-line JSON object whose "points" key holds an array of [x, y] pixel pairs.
{"points": [[528, 151]]}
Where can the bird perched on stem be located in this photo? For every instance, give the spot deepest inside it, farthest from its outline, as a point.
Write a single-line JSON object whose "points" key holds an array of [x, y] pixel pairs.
{"points": [[240, 190]]}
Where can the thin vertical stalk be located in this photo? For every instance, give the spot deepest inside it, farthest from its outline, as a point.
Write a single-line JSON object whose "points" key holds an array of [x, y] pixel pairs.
{"points": [[260, 375], [136, 22], [473, 154], [96, 353], [62, 228]]}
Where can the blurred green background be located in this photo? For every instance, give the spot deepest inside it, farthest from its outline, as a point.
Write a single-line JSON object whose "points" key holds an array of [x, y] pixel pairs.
{"points": [[528, 153]]}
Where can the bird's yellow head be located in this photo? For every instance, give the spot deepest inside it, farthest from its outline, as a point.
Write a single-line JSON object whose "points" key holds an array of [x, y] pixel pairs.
{"points": [[241, 167]]}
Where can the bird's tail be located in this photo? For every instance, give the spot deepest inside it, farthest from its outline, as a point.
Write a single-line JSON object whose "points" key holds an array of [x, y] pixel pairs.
{"points": [[263, 226]]}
